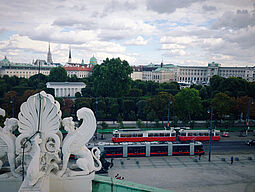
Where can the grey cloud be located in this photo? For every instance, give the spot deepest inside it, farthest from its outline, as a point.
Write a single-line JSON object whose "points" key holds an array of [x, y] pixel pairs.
{"points": [[245, 38], [2, 30], [84, 24], [109, 35], [209, 8], [240, 19], [168, 6], [115, 5]]}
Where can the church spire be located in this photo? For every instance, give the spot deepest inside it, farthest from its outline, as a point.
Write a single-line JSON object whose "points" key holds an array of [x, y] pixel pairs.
{"points": [[161, 65], [70, 57], [49, 56]]}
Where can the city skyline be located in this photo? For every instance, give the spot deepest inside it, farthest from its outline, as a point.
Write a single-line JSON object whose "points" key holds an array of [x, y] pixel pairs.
{"points": [[192, 32]]}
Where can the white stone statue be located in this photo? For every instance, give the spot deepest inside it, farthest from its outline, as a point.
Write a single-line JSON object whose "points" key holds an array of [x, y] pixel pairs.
{"points": [[39, 117], [40, 141], [75, 141], [7, 144], [34, 171]]}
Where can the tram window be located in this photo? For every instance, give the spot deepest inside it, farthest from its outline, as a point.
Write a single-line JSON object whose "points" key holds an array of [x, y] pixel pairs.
{"points": [[183, 134], [206, 134], [189, 134], [158, 150], [113, 150], [139, 135], [137, 150], [217, 133], [173, 134], [116, 135], [195, 134], [150, 134], [181, 148], [134, 135], [161, 134], [199, 148], [156, 134], [167, 134], [125, 135]]}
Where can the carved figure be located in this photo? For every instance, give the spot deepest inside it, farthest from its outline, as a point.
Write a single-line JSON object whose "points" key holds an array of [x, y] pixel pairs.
{"points": [[8, 139], [39, 115], [34, 172], [75, 141]]}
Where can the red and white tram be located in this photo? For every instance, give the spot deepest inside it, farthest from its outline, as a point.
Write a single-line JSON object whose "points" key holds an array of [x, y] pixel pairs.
{"points": [[198, 135], [140, 136]]}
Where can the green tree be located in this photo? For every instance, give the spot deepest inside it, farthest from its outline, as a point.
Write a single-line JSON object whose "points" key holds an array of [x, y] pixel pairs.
{"points": [[234, 87], [58, 74], [215, 82], [111, 78], [34, 80], [135, 92], [187, 104], [159, 104], [222, 105]]}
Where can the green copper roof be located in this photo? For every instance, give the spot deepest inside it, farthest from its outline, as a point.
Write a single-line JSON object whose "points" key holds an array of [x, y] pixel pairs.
{"points": [[163, 69], [5, 61], [93, 61]]}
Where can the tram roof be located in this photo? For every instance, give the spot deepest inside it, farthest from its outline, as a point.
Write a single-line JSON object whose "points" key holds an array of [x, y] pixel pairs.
{"points": [[203, 131]]}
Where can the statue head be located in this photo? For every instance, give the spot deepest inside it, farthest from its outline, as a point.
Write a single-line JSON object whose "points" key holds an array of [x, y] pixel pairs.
{"points": [[68, 124], [11, 124]]}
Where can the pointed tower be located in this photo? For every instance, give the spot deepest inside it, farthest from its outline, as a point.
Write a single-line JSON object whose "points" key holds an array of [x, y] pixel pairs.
{"points": [[49, 56], [70, 57], [161, 65]]}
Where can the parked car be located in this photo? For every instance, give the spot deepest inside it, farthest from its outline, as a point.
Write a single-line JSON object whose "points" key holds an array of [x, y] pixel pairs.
{"points": [[250, 142], [225, 134]]}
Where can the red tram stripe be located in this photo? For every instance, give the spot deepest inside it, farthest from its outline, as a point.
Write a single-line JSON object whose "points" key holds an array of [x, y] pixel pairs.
{"points": [[198, 138]]}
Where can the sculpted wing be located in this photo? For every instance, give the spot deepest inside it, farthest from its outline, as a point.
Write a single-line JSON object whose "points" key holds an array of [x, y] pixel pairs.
{"points": [[87, 129], [39, 109]]}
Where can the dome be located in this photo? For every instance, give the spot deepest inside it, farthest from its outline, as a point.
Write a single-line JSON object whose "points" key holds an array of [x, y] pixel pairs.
{"points": [[5, 61], [93, 61]]}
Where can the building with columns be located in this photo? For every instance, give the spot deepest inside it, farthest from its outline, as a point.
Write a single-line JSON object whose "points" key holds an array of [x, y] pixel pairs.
{"points": [[66, 89], [189, 74]]}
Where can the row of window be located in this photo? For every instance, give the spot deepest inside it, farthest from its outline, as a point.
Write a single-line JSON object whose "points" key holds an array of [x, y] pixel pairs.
{"points": [[194, 79], [149, 135], [199, 134]]}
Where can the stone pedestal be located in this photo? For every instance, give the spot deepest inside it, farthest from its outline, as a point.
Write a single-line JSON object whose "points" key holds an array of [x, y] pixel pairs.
{"points": [[41, 186], [53, 183], [67, 184]]}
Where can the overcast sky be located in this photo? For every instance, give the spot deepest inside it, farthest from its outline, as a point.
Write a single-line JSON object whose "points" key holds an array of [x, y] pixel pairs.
{"points": [[182, 32]]}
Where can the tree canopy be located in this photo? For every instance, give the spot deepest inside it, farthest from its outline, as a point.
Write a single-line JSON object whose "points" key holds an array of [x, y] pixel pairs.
{"points": [[58, 74], [187, 103], [111, 78]]}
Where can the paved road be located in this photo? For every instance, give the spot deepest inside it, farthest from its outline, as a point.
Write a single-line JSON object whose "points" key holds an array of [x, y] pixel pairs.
{"points": [[188, 174], [229, 146]]}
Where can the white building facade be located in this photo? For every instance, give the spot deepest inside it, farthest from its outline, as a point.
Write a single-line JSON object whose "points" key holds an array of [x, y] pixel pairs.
{"points": [[193, 74], [66, 89]]}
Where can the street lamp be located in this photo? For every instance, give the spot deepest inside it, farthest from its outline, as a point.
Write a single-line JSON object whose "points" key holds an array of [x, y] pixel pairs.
{"points": [[168, 119], [248, 114], [210, 134]]}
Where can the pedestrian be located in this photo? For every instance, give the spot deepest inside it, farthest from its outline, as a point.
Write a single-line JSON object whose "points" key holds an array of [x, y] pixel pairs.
{"points": [[199, 156], [232, 159], [111, 163]]}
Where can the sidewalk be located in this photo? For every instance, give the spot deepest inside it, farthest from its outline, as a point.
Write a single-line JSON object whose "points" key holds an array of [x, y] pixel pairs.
{"points": [[188, 174]]}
